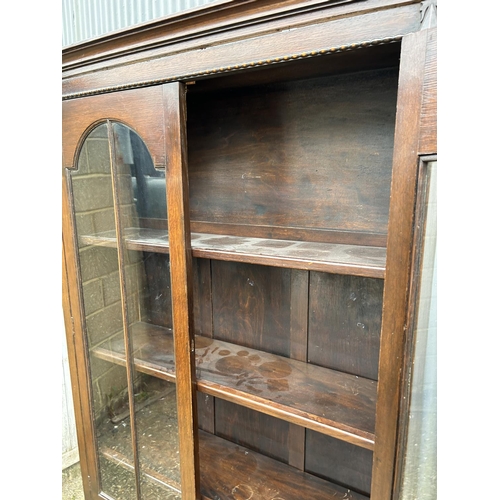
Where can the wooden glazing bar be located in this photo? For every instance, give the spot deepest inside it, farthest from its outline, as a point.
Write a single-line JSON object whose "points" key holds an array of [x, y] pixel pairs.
{"points": [[182, 286], [355, 260], [128, 342], [327, 401]]}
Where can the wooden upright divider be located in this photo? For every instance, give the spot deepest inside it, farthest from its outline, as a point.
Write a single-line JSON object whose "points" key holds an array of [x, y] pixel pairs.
{"points": [[399, 244], [182, 286]]}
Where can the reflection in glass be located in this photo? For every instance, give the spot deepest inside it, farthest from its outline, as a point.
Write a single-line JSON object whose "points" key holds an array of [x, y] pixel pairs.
{"points": [[141, 203], [126, 292], [420, 468]]}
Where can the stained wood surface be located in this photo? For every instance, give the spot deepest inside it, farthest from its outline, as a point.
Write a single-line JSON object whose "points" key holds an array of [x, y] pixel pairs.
{"points": [[314, 153], [230, 472], [345, 314], [328, 401], [254, 430], [333, 258], [252, 306], [338, 461]]}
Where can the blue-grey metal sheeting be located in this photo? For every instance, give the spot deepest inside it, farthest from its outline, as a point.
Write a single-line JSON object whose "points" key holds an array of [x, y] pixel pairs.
{"points": [[85, 19]]}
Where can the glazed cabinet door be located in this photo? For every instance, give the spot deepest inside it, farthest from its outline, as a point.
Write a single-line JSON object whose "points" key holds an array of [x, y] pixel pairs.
{"points": [[123, 159]]}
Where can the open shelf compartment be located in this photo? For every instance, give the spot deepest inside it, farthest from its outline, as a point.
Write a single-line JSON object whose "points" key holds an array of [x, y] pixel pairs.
{"points": [[228, 470], [324, 400]]}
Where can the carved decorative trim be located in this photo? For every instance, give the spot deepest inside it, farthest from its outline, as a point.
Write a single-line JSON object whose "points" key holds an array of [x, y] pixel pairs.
{"points": [[428, 14], [237, 67]]}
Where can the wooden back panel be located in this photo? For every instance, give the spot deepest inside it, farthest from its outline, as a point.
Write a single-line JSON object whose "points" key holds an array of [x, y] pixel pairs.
{"points": [[311, 154]]}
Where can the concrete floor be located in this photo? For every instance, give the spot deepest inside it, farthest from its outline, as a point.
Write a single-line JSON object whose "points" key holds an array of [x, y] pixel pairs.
{"points": [[72, 483]]}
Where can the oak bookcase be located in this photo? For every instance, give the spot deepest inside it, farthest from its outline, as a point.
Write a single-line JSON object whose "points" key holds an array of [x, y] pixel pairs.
{"points": [[239, 185]]}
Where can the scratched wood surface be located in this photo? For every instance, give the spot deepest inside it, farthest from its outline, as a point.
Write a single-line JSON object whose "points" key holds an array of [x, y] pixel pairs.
{"points": [[328, 401], [338, 461], [345, 259], [231, 472], [315, 153], [252, 429], [345, 315]]}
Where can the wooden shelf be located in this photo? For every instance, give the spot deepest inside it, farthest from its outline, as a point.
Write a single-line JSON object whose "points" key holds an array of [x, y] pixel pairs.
{"points": [[327, 401], [228, 471], [368, 261]]}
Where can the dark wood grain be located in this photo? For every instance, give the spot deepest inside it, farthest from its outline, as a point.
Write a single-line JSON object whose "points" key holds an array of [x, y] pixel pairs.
{"points": [[299, 309], [335, 258], [327, 166], [255, 430], [338, 461], [399, 245], [230, 471], [182, 285], [157, 296], [251, 306], [202, 297], [345, 314], [331, 402], [206, 419]]}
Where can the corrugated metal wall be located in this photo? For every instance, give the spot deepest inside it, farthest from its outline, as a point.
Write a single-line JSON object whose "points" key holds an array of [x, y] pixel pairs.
{"points": [[84, 19]]}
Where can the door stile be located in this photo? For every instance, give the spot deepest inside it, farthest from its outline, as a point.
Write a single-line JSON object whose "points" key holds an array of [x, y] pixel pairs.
{"points": [[77, 348], [399, 245], [125, 316], [174, 97]]}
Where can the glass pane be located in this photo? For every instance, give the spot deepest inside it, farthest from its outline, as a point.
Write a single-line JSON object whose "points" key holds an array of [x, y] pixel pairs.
{"points": [[99, 269], [119, 198], [420, 469], [141, 208]]}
